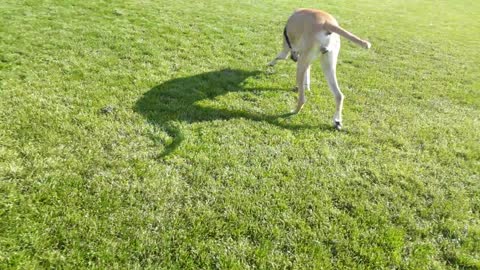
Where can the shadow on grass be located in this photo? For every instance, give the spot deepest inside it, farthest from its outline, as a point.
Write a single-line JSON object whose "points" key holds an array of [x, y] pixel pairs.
{"points": [[176, 100]]}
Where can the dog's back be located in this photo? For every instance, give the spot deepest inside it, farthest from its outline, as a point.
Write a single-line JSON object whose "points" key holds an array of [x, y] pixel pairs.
{"points": [[304, 24]]}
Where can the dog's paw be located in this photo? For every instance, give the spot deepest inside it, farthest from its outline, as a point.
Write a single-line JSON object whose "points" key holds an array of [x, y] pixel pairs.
{"points": [[337, 125], [299, 108], [367, 45], [296, 110]]}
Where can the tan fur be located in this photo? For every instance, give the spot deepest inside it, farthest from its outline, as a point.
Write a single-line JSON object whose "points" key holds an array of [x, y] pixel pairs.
{"points": [[310, 32], [305, 23]]}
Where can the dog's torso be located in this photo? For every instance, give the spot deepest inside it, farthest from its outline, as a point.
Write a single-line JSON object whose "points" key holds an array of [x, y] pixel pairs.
{"points": [[307, 27]]}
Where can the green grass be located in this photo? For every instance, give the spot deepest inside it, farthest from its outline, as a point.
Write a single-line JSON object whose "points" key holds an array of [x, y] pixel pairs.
{"points": [[150, 134]]}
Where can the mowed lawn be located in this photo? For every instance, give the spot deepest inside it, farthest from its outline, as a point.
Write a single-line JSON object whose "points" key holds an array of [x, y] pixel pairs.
{"points": [[151, 135]]}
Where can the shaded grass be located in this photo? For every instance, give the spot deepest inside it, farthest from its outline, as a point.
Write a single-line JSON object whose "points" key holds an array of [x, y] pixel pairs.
{"points": [[132, 137]]}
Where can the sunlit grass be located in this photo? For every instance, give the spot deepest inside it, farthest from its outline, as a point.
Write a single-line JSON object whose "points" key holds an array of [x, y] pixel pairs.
{"points": [[150, 134]]}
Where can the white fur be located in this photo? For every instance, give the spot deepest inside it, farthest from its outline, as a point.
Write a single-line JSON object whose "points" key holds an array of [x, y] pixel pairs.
{"points": [[329, 63]]}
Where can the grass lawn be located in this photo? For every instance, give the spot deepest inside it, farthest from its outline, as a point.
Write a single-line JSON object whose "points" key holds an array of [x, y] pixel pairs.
{"points": [[151, 135]]}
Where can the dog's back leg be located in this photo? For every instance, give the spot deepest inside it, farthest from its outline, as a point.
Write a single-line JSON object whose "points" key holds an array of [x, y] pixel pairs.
{"points": [[303, 72], [306, 79], [282, 55], [329, 66]]}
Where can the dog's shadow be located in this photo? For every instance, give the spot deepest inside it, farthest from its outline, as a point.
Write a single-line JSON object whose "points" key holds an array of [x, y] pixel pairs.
{"points": [[177, 100]]}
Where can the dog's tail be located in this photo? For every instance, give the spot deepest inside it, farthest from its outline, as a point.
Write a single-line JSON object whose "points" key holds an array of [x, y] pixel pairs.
{"points": [[344, 33]]}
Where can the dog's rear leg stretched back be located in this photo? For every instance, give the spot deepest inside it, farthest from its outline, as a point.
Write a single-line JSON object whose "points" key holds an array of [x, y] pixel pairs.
{"points": [[287, 47], [281, 56]]}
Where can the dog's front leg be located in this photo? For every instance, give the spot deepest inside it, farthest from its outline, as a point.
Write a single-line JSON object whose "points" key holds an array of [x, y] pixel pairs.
{"points": [[306, 79], [303, 76], [302, 66]]}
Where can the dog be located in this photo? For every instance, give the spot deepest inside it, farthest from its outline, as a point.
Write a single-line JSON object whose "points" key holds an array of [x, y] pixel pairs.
{"points": [[308, 33]]}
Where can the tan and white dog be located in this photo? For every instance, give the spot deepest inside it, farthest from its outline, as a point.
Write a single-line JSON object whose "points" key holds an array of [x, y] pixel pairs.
{"points": [[308, 33]]}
